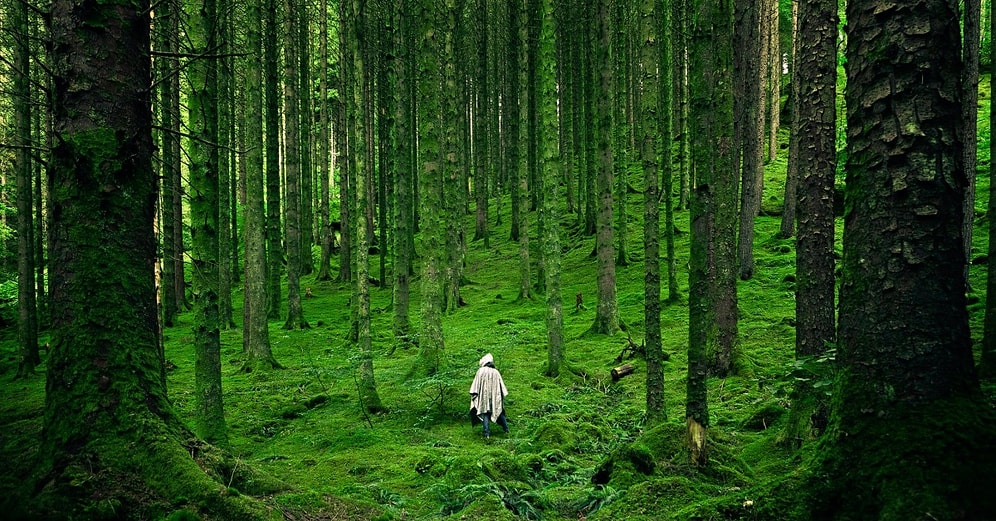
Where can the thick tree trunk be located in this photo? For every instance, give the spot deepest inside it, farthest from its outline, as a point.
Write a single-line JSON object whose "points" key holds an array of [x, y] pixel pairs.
{"points": [[748, 135], [908, 412], [106, 410], [403, 146]]}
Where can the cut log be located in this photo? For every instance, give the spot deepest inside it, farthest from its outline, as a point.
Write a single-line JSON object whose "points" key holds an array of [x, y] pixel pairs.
{"points": [[622, 371]]}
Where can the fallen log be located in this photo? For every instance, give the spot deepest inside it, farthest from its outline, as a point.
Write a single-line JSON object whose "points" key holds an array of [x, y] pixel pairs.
{"points": [[622, 371]]}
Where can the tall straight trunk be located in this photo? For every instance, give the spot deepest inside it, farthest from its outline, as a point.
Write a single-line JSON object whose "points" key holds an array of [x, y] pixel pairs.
{"points": [[202, 120], [454, 180], [402, 146], [292, 162], [176, 196], [969, 119], [607, 308], [367, 387], [906, 384], [713, 204], [816, 74], [511, 102], [430, 75], [324, 149], [549, 208], [620, 128], [27, 312], [305, 139], [345, 144], [680, 79], [669, 52], [789, 213], [482, 120], [255, 323], [650, 149], [226, 166], [165, 39], [42, 132], [987, 362], [271, 81], [748, 135], [774, 79]]}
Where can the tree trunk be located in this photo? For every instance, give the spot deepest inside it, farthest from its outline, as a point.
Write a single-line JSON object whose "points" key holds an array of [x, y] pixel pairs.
{"points": [[969, 119], [607, 310], [650, 149], [27, 312], [324, 149], [256, 329], [987, 362], [747, 133], [790, 200], [225, 135], [403, 145], [202, 106], [292, 161], [306, 173], [906, 384], [549, 210], [271, 81], [815, 73], [430, 77]]}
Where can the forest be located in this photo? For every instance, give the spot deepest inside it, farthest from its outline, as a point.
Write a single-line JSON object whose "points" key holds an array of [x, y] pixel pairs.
{"points": [[730, 259]]}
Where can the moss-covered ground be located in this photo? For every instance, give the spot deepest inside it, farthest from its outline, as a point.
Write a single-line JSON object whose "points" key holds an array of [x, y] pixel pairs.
{"points": [[578, 446]]}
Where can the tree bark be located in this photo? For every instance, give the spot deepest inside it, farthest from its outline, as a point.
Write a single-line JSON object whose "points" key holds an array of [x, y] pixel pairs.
{"points": [[906, 385]]}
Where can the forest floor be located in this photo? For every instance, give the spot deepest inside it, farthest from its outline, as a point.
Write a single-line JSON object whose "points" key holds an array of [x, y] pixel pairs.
{"points": [[577, 448]]}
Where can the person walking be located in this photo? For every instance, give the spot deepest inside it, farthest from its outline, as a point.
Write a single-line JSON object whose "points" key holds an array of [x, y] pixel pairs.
{"points": [[487, 395]]}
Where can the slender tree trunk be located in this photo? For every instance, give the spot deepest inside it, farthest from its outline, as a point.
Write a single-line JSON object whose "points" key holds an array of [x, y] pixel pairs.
{"points": [[748, 135], [815, 73], [650, 148], [202, 106], [607, 310], [292, 162], [305, 137], [256, 329], [549, 208], [324, 150], [27, 312], [789, 212], [225, 142], [170, 294], [271, 81]]}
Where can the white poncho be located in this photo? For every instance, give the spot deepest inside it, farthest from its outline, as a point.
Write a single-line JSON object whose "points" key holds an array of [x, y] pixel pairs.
{"points": [[488, 391]]}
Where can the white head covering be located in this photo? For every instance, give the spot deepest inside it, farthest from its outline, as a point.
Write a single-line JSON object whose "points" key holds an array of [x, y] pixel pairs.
{"points": [[486, 359]]}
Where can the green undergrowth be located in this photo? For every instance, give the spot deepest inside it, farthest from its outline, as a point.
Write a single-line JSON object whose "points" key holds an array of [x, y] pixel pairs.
{"points": [[578, 445]]}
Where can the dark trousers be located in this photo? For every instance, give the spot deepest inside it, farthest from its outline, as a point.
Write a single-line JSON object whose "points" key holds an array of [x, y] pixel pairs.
{"points": [[486, 418]]}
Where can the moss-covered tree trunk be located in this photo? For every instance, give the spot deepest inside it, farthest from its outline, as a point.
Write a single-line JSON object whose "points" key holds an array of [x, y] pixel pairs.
{"points": [[816, 74], [345, 144], [620, 128], [255, 323], [482, 119], [202, 120], [402, 149], [226, 165], [908, 414], [607, 307], [790, 199], [430, 76], [271, 83], [292, 166], [649, 38], [711, 115], [107, 417], [27, 313], [455, 125], [171, 290], [306, 140], [549, 208]]}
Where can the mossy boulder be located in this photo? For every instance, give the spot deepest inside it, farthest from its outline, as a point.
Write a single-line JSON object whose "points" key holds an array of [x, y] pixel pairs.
{"points": [[764, 416], [557, 433]]}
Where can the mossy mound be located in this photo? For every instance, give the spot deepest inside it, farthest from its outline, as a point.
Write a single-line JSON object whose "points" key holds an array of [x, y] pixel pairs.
{"points": [[625, 466], [764, 416]]}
